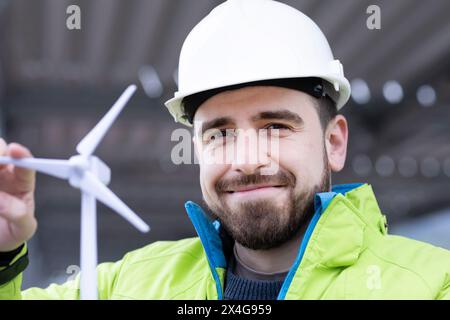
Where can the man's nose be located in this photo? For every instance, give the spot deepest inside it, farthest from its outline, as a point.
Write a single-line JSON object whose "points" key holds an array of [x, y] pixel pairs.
{"points": [[249, 156]]}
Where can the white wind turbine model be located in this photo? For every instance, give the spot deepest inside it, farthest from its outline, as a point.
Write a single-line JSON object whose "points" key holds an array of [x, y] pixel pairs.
{"points": [[91, 175]]}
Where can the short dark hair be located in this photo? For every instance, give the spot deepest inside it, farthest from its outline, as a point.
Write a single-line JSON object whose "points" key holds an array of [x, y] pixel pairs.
{"points": [[326, 107]]}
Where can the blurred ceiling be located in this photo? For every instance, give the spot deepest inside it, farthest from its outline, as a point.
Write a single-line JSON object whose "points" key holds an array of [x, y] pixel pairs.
{"points": [[117, 37]]}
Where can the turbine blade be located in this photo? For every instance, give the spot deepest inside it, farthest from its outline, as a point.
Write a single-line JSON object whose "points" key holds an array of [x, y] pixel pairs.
{"points": [[90, 184], [56, 168], [90, 142]]}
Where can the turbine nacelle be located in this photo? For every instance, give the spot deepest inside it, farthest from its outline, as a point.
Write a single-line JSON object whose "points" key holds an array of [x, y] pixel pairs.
{"points": [[91, 164]]}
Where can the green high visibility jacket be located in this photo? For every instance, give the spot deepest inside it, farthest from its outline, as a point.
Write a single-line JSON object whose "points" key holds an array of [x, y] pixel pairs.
{"points": [[345, 253]]}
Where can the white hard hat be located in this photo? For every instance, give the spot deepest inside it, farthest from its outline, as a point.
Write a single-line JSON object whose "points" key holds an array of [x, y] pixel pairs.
{"points": [[243, 41]]}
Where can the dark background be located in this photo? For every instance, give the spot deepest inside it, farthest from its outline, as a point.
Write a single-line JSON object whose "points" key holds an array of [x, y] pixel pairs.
{"points": [[55, 84]]}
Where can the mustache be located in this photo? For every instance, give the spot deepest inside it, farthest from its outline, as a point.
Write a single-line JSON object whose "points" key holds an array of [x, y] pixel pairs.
{"points": [[280, 178]]}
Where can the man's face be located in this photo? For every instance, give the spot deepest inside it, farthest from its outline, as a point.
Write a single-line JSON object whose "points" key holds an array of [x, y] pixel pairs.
{"points": [[260, 210]]}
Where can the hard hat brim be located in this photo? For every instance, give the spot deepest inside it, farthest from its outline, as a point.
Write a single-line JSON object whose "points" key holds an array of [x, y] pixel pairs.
{"points": [[340, 85]]}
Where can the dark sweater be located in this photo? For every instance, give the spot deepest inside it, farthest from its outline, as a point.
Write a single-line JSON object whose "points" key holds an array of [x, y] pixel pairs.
{"points": [[244, 288]]}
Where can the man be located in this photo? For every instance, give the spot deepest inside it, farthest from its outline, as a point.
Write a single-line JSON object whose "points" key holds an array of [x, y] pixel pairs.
{"points": [[274, 227]]}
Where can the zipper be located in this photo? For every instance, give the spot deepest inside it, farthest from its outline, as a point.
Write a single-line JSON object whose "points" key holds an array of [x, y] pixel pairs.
{"points": [[304, 243]]}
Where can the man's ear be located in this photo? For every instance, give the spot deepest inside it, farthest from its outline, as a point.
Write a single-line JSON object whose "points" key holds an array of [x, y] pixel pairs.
{"points": [[336, 138]]}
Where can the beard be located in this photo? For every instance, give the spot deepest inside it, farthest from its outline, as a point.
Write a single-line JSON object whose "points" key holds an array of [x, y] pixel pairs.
{"points": [[263, 224]]}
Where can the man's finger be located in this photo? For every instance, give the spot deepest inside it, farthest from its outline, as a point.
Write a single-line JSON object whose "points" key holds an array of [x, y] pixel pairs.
{"points": [[22, 223], [3, 151], [18, 151], [11, 208], [23, 176]]}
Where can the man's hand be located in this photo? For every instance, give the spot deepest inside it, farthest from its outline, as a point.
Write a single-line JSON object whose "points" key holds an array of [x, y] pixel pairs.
{"points": [[17, 220]]}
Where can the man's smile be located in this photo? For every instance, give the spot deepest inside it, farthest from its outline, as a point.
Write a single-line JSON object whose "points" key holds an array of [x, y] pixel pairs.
{"points": [[262, 190]]}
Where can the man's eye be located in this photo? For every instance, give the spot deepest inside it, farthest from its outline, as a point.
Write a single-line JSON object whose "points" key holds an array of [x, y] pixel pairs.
{"points": [[276, 126], [217, 135]]}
